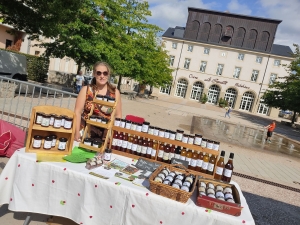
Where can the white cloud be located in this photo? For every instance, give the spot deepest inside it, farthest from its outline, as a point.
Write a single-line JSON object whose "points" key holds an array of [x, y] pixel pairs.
{"points": [[235, 7]]}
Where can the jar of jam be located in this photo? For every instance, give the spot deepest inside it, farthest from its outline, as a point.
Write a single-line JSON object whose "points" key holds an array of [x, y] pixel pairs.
{"points": [[52, 119], [179, 135], [172, 135], [133, 126], [97, 144], [68, 123], [216, 145], [99, 97], [111, 99], [198, 139], [39, 117], [48, 142], [54, 137], [145, 127], [191, 139], [209, 144], [88, 141], [37, 141], [155, 131], [185, 138], [93, 118], [127, 124], [63, 118], [167, 134], [105, 97], [45, 120], [99, 119], [139, 127], [123, 122], [150, 130], [117, 122], [104, 120], [57, 122], [107, 154], [62, 144], [161, 132], [203, 143]]}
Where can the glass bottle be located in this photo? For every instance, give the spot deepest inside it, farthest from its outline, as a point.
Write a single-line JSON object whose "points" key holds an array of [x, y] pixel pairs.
{"points": [[172, 152], [134, 145], [211, 165], [124, 142], [114, 144], [139, 146], [144, 147], [149, 149], [154, 148], [120, 140], [161, 150], [227, 174], [177, 152], [183, 154], [194, 159], [220, 167], [129, 144], [199, 162], [205, 163], [188, 157], [166, 154]]}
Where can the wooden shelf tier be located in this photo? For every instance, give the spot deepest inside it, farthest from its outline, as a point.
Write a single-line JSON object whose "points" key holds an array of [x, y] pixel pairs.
{"points": [[89, 147], [51, 129], [105, 103], [99, 124]]}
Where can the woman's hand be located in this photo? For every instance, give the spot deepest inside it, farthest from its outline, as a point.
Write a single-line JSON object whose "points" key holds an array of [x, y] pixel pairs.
{"points": [[77, 137]]}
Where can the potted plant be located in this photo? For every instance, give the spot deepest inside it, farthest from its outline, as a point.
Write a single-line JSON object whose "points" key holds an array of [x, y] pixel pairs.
{"points": [[203, 98]]}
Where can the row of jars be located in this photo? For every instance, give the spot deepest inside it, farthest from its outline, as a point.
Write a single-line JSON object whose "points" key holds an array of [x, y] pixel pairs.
{"points": [[49, 142], [98, 119], [172, 135], [105, 98], [94, 142], [57, 121], [145, 147]]}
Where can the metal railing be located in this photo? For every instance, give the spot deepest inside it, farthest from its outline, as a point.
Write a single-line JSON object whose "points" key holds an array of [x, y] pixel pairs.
{"points": [[17, 98]]}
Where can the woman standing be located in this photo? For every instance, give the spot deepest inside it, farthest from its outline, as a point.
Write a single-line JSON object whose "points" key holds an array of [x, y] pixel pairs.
{"points": [[99, 86]]}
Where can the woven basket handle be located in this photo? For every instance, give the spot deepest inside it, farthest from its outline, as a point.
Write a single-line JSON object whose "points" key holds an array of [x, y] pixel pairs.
{"points": [[180, 166]]}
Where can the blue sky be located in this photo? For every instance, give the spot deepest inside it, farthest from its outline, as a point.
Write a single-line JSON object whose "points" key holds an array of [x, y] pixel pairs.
{"points": [[171, 13]]}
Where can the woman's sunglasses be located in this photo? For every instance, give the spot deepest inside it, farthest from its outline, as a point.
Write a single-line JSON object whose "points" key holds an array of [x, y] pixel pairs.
{"points": [[105, 73]]}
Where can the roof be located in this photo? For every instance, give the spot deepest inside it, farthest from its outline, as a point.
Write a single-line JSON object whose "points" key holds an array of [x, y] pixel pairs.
{"points": [[280, 50], [234, 14]]}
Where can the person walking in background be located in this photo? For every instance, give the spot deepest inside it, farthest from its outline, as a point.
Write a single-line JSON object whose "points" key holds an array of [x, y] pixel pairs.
{"points": [[79, 81], [228, 110], [270, 128]]}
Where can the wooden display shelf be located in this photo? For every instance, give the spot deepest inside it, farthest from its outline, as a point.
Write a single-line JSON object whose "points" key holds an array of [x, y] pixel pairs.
{"points": [[89, 147], [53, 150], [99, 124], [152, 160], [105, 103], [51, 129], [166, 140]]}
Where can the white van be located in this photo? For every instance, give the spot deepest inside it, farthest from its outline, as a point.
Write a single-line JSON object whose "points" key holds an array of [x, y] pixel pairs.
{"points": [[13, 65]]}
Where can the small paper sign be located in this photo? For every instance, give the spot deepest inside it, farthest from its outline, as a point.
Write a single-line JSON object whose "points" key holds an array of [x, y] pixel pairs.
{"points": [[179, 161], [144, 164]]}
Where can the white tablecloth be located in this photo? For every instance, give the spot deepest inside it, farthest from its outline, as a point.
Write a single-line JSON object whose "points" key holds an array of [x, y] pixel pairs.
{"points": [[67, 190]]}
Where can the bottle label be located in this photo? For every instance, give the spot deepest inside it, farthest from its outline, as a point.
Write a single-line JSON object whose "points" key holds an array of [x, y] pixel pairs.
{"points": [[139, 149], [216, 147], [185, 139], [68, 124], [124, 144], [47, 144], [39, 119], [129, 145], [172, 136], [144, 150], [227, 172], [57, 123], [62, 122], [191, 141], [149, 150], [51, 121], [219, 170], [120, 143], [107, 156], [171, 155], [161, 133], [155, 132], [167, 134], [204, 165], [133, 126], [128, 125], [177, 156], [45, 122], [193, 163], [37, 143], [209, 145], [145, 128], [182, 157], [153, 152], [62, 145], [160, 153], [150, 131], [139, 128], [117, 123], [210, 167], [134, 147], [197, 141], [203, 144], [179, 136], [115, 142], [166, 156], [188, 160], [199, 163], [122, 124], [53, 142]]}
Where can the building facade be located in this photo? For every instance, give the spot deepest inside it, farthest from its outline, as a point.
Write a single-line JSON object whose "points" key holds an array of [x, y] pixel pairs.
{"points": [[225, 56]]}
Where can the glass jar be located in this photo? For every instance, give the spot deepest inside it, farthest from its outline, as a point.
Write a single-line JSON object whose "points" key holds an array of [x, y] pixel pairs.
{"points": [[127, 124], [161, 132], [54, 137], [93, 118], [216, 146], [155, 131], [172, 135], [133, 126], [48, 142], [37, 141], [203, 143], [39, 117], [105, 97], [57, 122], [179, 135], [198, 139], [104, 120], [88, 141], [107, 154], [185, 138], [62, 144], [63, 118], [209, 144], [191, 139], [45, 120], [68, 123], [99, 119], [97, 144], [117, 122], [123, 122], [52, 119], [150, 130], [145, 127], [111, 99], [99, 97], [167, 134], [139, 127]]}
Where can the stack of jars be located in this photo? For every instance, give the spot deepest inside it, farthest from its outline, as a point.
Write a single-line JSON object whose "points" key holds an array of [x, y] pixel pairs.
{"points": [[57, 121], [49, 142]]}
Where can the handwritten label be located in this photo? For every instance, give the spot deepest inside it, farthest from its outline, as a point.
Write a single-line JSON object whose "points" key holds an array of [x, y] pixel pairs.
{"points": [[179, 161], [216, 81], [192, 76], [143, 164], [241, 85]]}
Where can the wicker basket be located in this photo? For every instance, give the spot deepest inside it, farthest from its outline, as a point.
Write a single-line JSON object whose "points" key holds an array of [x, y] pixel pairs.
{"points": [[169, 191]]}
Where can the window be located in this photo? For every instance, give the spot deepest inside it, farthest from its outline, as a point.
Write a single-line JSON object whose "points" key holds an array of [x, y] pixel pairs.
{"points": [[187, 63], [8, 43], [206, 51], [272, 78], [181, 88], [174, 45], [276, 62], [190, 48], [241, 56], [165, 90], [220, 69], [258, 59], [237, 71], [36, 52], [254, 75], [172, 58], [203, 66]]}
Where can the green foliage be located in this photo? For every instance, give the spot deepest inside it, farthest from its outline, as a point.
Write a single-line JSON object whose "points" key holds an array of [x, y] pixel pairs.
{"points": [[285, 93], [203, 98], [221, 102]]}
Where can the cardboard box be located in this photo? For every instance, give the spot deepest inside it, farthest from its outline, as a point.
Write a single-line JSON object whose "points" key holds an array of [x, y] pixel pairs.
{"points": [[220, 205]]}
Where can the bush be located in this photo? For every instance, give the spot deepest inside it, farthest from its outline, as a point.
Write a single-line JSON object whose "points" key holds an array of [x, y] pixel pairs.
{"points": [[221, 102], [203, 98]]}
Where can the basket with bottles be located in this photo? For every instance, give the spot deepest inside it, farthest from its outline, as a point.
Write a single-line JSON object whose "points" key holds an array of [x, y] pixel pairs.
{"points": [[173, 181]]}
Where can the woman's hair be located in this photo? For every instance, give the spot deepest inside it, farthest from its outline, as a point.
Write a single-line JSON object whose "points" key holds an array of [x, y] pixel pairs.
{"points": [[111, 88]]}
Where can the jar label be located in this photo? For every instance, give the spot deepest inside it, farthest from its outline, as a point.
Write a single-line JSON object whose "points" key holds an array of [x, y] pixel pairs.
{"points": [[117, 123], [203, 144], [216, 147], [47, 144], [99, 120], [188, 160], [150, 131], [219, 194], [197, 141], [124, 144], [115, 142], [191, 141], [45, 122], [227, 172], [153, 152], [149, 150], [39, 119], [120, 143], [144, 150], [228, 195], [171, 155], [53, 142], [204, 165], [182, 157], [62, 145], [166, 156], [172, 136], [129, 145], [68, 124], [128, 125], [193, 162], [155, 132], [167, 134], [185, 139], [122, 124], [133, 127], [210, 167], [145, 128], [51, 121], [107, 156], [36, 143], [62, 122], [87, 143], [139, 148], [133, 147], [219, 170], [161, 134], [160, 153], [177, 156], [199, 162], [209, 145], [57, 123], [139, 128], [179, 136]]}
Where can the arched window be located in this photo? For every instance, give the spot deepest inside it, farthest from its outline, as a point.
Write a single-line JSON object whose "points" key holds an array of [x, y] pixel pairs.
{"points": [[247, 101], [213, 94], [250, 42], [253, 34], [239, 36], [263, 41], [204, 31], [197, 90], [181, 88], [195, 25], [215, 35], [263, 108], [230, 96]]}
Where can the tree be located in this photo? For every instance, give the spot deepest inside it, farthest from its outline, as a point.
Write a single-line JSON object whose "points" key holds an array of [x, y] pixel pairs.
{"points": [[285, 94]]}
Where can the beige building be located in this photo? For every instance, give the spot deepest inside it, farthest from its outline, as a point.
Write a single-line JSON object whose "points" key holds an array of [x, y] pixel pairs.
{"points": [[240, 75]]}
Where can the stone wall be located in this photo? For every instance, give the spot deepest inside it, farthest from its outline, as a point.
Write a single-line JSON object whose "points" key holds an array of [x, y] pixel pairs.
{"points": [[7, 90]]}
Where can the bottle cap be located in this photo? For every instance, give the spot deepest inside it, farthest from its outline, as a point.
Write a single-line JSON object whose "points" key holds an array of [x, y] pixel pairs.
{"points": [[223, 153], [231, 155]]}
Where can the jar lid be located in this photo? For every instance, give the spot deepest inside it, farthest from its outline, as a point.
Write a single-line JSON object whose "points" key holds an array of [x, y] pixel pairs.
{"points": [[139, 124], [118, 119], [198, 135], [62, 139], [53, 136], [99, 96], [93, 116], [97, 142], [112, 99], [64, 116], [146, 123], [46, 115], [88, 140], [180, 131], [128, 121], [39, 113], [106, 96], [37, 137], [53, 114], [68, 118], [123, 120], [216, 142], [57, 117], [108, 150], [151, 127], [48, 138]]}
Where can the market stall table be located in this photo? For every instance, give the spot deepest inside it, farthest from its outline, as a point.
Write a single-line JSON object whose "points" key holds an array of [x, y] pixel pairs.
{"points": [[68, 190]]}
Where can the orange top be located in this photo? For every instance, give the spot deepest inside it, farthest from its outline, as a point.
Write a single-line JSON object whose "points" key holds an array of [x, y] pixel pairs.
{"points": [[272, 127]]}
